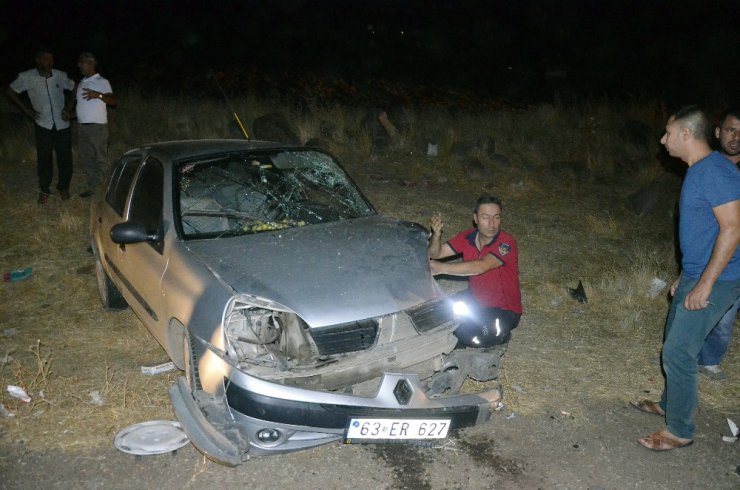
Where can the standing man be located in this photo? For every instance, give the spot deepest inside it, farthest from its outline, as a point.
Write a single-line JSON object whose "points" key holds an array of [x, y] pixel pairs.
{"points": [[46, 90], [93, 96], [716, 343], [491, 259], [709, 234]]}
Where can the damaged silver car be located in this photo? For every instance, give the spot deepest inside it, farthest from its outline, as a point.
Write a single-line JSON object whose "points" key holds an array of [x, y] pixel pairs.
{"points": [[297, 313]]}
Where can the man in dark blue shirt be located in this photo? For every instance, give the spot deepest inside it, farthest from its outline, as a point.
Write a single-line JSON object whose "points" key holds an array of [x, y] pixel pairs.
{"points": [[709, 234]]}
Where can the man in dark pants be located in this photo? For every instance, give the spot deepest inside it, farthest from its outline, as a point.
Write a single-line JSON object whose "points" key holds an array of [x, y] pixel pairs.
{"points": [[46, 89], [727, 133]]}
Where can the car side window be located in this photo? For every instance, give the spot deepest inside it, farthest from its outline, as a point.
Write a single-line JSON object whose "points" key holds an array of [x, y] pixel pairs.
{"points": [[146, 201], [120, 183]]}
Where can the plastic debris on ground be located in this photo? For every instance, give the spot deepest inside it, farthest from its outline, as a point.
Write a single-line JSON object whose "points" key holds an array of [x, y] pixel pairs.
{"points": [[158, 369], [734, 430], [519, 389], [97, 399], [656, 287], [17, 275], [153, 437], [4, 412], [20, 393]]}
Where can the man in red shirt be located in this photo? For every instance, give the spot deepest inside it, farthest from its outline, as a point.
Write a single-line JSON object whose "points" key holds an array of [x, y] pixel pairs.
{"points": [[491, 259]]}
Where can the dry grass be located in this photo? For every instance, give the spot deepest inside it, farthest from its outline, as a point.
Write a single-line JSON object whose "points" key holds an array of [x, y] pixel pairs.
{"points": [[82, 365]]}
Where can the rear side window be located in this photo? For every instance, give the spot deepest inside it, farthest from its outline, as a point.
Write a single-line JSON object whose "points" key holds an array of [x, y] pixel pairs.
{"points": [[120, 182]]}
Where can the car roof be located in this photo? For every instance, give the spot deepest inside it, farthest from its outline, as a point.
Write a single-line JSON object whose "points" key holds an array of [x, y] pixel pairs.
{"points": [[175, 150]]}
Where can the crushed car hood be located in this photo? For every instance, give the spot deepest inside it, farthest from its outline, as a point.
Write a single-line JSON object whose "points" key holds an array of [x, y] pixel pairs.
{"points": [[330, 273]]}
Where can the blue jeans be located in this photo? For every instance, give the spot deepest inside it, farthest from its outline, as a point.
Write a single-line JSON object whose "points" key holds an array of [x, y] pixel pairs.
{"points": [[685, 332], [716, 343]]}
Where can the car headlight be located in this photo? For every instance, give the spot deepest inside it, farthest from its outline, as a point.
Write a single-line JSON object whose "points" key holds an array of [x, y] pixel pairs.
{"points": [[460, 308], [261, 332]]}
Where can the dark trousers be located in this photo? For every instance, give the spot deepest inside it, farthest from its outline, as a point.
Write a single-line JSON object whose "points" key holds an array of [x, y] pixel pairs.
{"points": [[48, 142], [483, 327]]}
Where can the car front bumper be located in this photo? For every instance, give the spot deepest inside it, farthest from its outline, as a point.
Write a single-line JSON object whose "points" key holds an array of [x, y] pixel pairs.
{"points": [[296, 418]]}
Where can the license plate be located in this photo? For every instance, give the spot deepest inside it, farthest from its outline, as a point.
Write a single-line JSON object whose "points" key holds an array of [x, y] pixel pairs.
{"points": [[397, 429]]}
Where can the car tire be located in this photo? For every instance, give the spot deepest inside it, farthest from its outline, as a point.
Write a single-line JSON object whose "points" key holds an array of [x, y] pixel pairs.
{"points": [[190, 365], [110, 296]]}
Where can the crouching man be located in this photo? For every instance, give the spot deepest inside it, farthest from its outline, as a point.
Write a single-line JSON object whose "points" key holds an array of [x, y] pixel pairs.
{"points": [[491, 259]]}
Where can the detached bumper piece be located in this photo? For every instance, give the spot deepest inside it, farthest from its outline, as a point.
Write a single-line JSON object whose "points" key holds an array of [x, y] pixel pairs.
{"points": [[394, 401], [210, 433]]}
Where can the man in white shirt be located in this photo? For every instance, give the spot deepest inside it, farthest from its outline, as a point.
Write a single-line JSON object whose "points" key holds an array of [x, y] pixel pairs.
{"points": [[93, 96], [46, 89]]}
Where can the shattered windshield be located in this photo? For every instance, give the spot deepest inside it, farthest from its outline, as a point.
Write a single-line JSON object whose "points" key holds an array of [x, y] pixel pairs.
{"points": [[252, 192]]}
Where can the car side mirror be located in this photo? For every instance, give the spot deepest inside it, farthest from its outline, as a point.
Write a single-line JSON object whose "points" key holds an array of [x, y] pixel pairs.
{"points": [[130, 232]]}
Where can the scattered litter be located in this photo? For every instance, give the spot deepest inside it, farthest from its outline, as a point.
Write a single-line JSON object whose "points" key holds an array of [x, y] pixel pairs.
{"points": [[564, 413], [9, 332], [20, 393], [5, 412], [733, 430], [511, 416], [656, 287], [158, 369], [97, 399], [153, 437], [519, 389], [578, 294], [499, 406], [17, 275], [432, 150]]}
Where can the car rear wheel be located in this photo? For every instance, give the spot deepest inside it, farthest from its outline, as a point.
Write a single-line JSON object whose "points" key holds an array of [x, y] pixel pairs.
{"points": [[110, 296]]}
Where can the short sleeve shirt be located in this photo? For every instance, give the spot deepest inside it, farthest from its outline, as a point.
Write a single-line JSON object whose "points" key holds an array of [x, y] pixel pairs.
{"points": [[499, 287], [46, 95], [94, 110], [711, 182]]}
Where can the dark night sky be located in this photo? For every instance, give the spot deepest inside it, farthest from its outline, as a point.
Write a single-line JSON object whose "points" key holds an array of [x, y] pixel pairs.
{"points": [[670, 49]]}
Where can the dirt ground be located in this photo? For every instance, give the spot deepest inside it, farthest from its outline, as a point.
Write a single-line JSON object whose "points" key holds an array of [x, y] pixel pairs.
{"points": [[568, 375]]}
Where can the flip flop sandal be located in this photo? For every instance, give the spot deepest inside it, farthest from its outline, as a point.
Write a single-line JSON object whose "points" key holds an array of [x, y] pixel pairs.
{"points": [[657, 441], [648, 406]]}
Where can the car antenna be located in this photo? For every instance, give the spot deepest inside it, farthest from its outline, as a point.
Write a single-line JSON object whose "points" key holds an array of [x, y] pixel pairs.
{"points": [[211, 75]]}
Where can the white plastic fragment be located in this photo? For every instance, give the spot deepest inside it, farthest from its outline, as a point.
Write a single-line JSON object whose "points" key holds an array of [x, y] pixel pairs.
{"points": [[519, 389], [158, 369], [5, 412], [511, 416], [656, 287], [97, 399], [432, 150], [20, 393], [734, 430]]}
